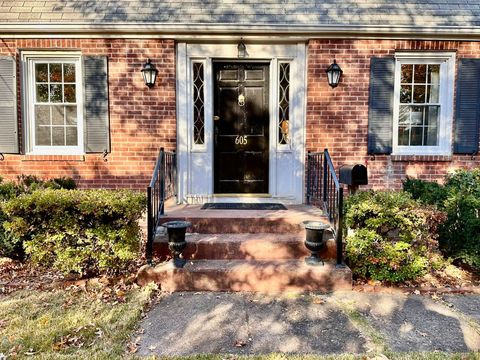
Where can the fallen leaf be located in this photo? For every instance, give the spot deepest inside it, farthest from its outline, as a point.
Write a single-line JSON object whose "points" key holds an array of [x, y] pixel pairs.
{"points": [[240, 343]]}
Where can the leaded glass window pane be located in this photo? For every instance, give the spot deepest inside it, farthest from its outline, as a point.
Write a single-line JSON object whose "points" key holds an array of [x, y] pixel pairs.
{"points": [[419, 105], [283, 103], [198, 104]]}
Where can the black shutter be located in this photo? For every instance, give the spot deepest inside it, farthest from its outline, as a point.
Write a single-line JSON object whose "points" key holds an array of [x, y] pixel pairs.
{"points": [[8, 106], [97, 124], [380, 112], [467, 107]]}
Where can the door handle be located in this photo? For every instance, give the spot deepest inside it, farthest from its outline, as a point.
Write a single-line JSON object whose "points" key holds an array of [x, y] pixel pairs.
{"points": [[216, 118]]}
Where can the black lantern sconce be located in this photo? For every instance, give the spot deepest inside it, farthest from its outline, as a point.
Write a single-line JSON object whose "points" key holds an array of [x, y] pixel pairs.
{"points": [[149, 73], [242, 50], [334, 72]]}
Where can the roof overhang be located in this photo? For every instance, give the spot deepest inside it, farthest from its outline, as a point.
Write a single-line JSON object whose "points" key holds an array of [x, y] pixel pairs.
{"points": [[228, 31]]}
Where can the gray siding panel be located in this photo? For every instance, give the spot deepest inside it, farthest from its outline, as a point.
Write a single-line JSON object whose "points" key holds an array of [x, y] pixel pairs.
{"points": [[380, 113], [8, 106], [97, 122], [467, 110]]}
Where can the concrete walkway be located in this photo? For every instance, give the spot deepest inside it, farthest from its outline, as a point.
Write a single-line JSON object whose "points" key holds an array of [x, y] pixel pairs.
{"points": [[342, 322]]}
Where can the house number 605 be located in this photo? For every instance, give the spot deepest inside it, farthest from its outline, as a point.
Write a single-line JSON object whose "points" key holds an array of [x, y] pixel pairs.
{"points": [[241, 140]]}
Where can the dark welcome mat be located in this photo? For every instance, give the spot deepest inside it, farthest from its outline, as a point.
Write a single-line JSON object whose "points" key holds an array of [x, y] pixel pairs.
{"points": [[243, 206]]}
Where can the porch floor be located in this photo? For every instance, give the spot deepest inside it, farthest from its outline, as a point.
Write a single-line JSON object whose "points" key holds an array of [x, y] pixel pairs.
{"points": [[211, 221]]}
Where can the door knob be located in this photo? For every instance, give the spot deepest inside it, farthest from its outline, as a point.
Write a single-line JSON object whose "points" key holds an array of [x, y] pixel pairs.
{"points": [[216, 118]]}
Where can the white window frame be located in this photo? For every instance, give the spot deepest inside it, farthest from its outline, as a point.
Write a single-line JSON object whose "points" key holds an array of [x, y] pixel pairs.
{"points": [[29, 58], [446, 60]]}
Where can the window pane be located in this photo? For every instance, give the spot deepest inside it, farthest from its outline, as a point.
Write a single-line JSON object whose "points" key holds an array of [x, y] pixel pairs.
{"points": [[407, 73], [431, 138], [71, 115], [403, 134], [69, 72], [198, 104], [55, 93], [57, 115], [419, 94], [404, 115], [416, 117], [406, 94], [431, 116], [69, 93], [433, 74], [432, 94], [55, 72], [42, 134], [58, 136], [41, 72], [71, 136], [420, 74], [42, 93], [42, 115], [283, 103], [416, 138]]}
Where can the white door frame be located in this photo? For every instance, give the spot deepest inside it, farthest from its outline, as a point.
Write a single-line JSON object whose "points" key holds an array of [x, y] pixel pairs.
{"points": [[286, 161]]}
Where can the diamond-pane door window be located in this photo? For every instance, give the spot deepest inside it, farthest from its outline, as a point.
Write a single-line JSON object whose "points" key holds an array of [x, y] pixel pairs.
{"points": [[198, 104], [283, 103]]}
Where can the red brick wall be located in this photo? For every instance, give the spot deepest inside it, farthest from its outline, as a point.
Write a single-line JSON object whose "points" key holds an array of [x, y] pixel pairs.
{"points": [[141, 119], [337, 119]]}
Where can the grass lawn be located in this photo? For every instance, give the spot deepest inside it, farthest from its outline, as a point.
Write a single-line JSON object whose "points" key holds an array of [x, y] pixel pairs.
{"points": [[70, 324]]}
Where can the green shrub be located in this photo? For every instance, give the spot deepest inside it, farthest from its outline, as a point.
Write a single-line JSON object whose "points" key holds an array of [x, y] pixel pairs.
{"points": [[10, 245], [459, 235], [424, 191], [81, 231], [391, 235]]}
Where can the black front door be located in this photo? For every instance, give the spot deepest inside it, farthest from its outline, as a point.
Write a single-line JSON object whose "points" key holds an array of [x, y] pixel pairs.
{"points": [[241, 122]]}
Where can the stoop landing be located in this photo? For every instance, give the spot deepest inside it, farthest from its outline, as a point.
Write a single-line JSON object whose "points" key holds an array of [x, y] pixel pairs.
{"points": [[211, 221]]}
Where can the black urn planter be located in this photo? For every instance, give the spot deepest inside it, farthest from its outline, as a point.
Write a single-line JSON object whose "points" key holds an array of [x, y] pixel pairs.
{"points": [[314, 241], [176, 240]]}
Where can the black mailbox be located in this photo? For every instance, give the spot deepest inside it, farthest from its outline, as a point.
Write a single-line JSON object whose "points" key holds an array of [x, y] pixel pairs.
{"points": [[354, 175]]}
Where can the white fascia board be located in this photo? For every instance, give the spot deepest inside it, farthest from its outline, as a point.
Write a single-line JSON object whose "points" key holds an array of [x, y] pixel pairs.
{"points": [[228, 31]]}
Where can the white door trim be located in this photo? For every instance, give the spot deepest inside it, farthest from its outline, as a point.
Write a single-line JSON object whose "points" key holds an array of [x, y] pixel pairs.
{"points": [[286, 161]]}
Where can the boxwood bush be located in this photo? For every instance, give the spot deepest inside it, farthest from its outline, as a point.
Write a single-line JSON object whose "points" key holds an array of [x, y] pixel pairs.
{"points": [[460, 199], [390, 237], [79, 231], [10, 245]]}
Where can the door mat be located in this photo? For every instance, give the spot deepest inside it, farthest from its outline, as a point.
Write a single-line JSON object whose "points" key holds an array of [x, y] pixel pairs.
{"points": [[243, 206]]}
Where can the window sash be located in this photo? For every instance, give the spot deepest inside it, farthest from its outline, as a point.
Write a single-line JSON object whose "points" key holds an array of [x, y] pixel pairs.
{"points": [[444, 104], [31, 102]]}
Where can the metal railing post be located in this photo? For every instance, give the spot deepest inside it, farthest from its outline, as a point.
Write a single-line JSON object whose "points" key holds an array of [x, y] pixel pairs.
{"points": [[340, 228], [325, 169], [149, 245], [309, 175], [162, 181]]}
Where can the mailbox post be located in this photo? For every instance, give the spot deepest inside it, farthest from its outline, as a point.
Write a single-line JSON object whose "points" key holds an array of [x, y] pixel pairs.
{"points": [[353, 176]]}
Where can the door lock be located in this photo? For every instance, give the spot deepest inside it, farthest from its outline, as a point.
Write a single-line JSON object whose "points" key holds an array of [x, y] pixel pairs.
{"points": [[241, 100]]}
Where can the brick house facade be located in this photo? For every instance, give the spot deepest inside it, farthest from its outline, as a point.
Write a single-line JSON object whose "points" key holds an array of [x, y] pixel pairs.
{"points": [[142, 120]]}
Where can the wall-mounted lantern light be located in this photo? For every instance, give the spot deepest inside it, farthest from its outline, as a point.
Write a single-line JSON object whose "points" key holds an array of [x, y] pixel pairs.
{"points": [[333, 74], [149, 73], [242, 50]]}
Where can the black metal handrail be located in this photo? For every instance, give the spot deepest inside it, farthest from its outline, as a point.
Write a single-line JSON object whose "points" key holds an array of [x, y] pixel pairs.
{"points": [[162, 187], [325, 191]]}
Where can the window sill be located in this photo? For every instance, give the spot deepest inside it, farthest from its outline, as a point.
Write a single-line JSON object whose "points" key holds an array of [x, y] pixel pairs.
{"points": [[33, 157], [431, 158]]}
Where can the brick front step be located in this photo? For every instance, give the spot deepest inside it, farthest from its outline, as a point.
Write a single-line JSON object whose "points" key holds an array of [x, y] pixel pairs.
{"points": [[245, 221], [245, 246], [243, 275], [228, 225]]}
